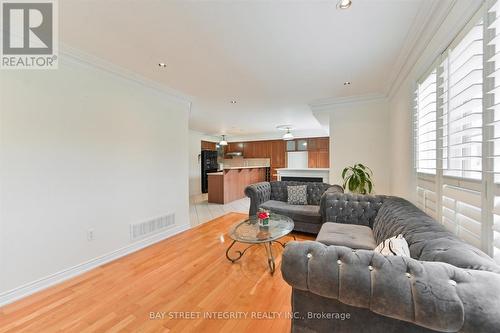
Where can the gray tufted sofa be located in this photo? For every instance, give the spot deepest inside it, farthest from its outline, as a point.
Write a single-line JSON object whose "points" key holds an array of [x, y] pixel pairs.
{"points": [[273, 196], [446, 285]]}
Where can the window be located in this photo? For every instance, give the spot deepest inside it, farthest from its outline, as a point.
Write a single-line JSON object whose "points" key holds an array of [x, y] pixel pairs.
{"points": [[425, 125], [493, 92], [452, 138], [462, 98], [425, 143]]}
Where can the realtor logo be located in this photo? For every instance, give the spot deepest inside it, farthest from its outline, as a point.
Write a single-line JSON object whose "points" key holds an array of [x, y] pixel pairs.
{"points": [[29, 34]]}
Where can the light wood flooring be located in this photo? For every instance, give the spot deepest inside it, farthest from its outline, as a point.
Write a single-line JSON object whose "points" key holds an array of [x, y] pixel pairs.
{"points": [[187, 272]]}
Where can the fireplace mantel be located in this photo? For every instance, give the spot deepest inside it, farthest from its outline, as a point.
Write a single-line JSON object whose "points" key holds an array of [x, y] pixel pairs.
{"points": [[323, 173]]}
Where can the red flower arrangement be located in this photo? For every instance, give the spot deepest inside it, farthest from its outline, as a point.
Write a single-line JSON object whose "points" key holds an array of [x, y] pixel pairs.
{"points": [[263, 215]]}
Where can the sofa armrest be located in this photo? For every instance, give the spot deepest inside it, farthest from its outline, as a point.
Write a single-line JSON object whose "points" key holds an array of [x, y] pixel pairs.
{"points": [[350, 208], [434, 295], [258, 194], [323, 201]]}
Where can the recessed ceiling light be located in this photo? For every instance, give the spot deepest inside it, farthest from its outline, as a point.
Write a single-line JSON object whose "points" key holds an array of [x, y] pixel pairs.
{"points": [[344, 4], [162, 65], [347, 83], [233, 102]]}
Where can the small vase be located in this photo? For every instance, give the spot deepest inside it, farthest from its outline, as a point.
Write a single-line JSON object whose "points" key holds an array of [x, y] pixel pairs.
{"points": [[264, 222]]}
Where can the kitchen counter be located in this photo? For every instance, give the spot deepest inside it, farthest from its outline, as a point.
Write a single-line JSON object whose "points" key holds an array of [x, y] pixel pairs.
{"points": [[305, 169], [229, 185], [247, 167]]}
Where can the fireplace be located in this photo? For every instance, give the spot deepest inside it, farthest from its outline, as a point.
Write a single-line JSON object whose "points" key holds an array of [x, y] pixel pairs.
{"points": [[303, 179], [304, 175]]}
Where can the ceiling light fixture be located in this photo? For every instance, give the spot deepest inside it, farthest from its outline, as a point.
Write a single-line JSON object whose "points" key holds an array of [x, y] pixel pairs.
{"points": [[288, 128], [347, 83], [233, 102], [162, 65], [344, 4], [288, 135], [223, 142]]}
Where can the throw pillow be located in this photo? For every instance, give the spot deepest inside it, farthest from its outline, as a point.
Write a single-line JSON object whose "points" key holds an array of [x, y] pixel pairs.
{"points": [[394, 246], [297, 195]]}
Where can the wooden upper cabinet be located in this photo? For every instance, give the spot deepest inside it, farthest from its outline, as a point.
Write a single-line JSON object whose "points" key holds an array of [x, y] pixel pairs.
{"points": [[318, 159], [291, 145], [206, 145], [249, 150], [319, 152], [278, 154], [301, 144], [234, 147], [323, 143], [318, 144]]}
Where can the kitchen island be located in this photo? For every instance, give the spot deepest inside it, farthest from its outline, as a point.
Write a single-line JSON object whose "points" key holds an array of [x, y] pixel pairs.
{"points": [[229, 185]]}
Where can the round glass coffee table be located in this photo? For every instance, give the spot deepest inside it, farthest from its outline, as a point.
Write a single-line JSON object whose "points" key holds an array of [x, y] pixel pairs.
{"points": [[249, 232]]}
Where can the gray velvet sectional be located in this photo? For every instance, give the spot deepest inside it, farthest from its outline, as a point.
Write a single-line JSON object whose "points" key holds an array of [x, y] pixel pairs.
{"points": [[445, 286], [273, 196]]}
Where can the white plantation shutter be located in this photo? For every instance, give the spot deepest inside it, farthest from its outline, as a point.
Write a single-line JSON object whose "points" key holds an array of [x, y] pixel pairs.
{"points": [[460, 82], [461, 213], [462, 91], [425, 143], [493, 103], [496, 230], [454, 184], [426, 195], [425, 125]]}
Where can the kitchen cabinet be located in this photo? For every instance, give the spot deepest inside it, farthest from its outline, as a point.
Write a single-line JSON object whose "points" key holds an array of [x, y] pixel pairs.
{"points": [[206, 145], [276, 151], [249, 150], [318, 152], [318, 159], [233, 147], [229, 185], [278, 157], [301, 144], [291, 145]]}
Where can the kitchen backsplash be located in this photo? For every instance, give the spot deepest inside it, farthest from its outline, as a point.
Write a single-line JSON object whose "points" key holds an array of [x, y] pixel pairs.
{"points": [[243, 162]]}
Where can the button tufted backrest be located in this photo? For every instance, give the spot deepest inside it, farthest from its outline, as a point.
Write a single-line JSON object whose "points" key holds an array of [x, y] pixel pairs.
{"points": [[279, 190], [434, 295], [428, 240], [351, 208]]}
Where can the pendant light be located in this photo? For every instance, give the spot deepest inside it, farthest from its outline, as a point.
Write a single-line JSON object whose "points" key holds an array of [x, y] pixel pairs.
{"points": [[288, 135], [223, 142]]}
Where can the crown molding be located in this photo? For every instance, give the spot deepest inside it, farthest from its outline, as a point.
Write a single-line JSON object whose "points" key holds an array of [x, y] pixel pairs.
{"points": [[70, 54], [325, 105], [422, 21], [437, 18]]}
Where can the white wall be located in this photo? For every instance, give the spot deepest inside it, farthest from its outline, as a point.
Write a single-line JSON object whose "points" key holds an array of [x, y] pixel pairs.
{"points": [[195, 139], [401, 98], [359, 133], [83, 148]]}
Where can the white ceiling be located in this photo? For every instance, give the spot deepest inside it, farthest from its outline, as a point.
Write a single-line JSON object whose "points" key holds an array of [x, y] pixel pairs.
{"points": [[272, 57]]}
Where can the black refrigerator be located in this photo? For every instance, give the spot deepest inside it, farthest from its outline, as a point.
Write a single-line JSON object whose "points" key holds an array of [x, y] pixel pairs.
{"points": [[208, 164]]}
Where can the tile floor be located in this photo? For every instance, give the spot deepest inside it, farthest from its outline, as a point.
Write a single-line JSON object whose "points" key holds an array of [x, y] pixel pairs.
{"points": [[200, 211]]}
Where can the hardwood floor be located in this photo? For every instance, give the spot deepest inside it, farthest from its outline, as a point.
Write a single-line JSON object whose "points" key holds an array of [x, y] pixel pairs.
{"points": [[188, 272]]}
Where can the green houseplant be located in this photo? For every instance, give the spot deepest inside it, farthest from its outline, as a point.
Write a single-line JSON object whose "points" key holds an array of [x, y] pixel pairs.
{"points": [[357, 179]]}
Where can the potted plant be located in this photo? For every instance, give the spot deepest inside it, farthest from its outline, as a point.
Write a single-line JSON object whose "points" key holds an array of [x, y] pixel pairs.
{"points": [[357, 179]]}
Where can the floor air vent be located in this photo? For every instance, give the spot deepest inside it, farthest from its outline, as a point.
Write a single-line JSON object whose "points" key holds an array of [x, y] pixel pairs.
{"points": [[150, 227]]}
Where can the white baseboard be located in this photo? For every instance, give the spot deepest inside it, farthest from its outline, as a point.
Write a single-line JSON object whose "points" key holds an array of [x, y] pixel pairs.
{"points": [[48, 281]]}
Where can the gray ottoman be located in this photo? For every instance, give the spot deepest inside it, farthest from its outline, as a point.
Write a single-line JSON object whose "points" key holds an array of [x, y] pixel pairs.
{"points": [[350, 235]]}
